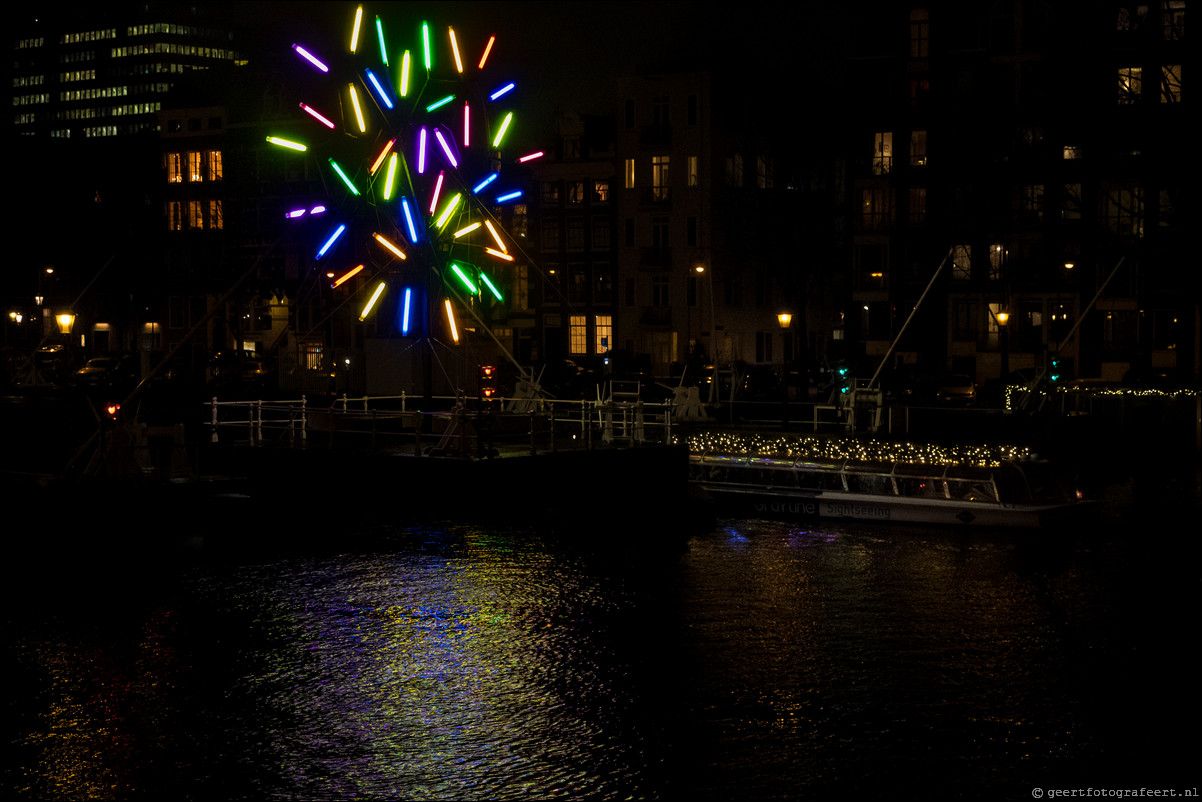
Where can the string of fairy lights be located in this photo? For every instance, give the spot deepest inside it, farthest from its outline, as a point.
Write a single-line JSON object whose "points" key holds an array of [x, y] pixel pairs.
{"points": [[1014, 392], [867, 449]]}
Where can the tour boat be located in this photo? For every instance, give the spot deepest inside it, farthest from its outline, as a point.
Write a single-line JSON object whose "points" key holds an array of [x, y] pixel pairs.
{"points": [[1024, 493]]}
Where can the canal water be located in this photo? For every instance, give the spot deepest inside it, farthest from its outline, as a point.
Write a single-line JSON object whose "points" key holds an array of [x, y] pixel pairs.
{"points": [[750, 659]]}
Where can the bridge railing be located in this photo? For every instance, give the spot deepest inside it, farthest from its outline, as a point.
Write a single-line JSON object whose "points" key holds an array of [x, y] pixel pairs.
{"points": [[457, 426]]}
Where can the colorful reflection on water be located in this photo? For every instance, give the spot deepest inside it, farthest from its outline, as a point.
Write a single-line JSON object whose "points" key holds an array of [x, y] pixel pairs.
{"points": [[760, 659]]}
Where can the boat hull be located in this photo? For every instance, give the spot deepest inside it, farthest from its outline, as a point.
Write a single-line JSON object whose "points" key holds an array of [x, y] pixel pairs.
{"points": [[848, 506]]}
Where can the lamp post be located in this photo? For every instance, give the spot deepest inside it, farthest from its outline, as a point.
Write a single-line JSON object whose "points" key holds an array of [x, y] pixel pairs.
{"points": [[1003, 317], [785, 319]]}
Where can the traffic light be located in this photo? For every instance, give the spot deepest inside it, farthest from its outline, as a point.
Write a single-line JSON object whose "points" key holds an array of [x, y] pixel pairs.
{"points": [[1056, 373], [487, 382], [844, 380]]}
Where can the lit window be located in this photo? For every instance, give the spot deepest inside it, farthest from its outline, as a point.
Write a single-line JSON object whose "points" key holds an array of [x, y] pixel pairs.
{"points": [[882, 153], [1172, 19], [216, 219], [630, 173], [578, 334], [734, 170], [575, 193], [601, 190], [1130, 85], [1170, 83], [1123, 211], [1072, 151], [194, 165], [962, 262], [918, 148], [175, 216], [920, 33], [174, 164], [214, 165], [693, 178], [195, 214], [659, 177], [550, 193], [997, 260], [876, 211], [604, 325], [763, 172]]}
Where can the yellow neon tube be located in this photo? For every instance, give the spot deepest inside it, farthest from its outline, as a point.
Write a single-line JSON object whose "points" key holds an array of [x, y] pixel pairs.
{"points": [[380, 239], [455, 50], [496, 143], [355, 30], [451, 320], [358, 111], [446, 213], [464, 231], [496, 237], [375, 296]]}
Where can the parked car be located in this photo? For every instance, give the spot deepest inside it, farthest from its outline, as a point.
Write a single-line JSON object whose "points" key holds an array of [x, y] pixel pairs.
{"points": [[107, 371], [955, 389]]}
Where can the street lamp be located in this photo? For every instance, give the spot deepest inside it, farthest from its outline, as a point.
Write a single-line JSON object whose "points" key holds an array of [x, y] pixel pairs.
{"points": [[785, 319], [1003, 317]]}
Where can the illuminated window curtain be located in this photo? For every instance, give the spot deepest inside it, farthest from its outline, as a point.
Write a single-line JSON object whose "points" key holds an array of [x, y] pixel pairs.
{"points": [[175, 173], [882, 153], [214, 165], [194, 166], [216, 219], [578, 334], [604, 333]]}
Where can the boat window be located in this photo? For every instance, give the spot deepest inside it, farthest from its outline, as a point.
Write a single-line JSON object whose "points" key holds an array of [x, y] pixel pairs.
{"points": [[920, 487]]}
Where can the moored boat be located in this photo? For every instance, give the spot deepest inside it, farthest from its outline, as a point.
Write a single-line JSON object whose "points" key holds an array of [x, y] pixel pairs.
{"points": [[1024, 493]]}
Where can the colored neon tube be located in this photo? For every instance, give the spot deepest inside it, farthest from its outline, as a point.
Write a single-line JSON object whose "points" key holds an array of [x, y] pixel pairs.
{"points": [[309, 57], [375, 296], [330, 242]]}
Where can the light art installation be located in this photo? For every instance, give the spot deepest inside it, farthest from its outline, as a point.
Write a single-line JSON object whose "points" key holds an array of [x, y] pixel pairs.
{"points": [[409, 129]]}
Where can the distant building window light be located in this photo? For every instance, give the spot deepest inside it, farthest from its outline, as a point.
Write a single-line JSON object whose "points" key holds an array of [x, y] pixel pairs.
{"points": [[601, 190], [604, 326], [1170, 83], [578, 334], [629, 173], [659, 177], [693, 177], [1072, 151], [174, 165], [962, 262], [918, 148], [920, 33], [1130, 85], [882, 153], [214, 165], [1172, 19]]}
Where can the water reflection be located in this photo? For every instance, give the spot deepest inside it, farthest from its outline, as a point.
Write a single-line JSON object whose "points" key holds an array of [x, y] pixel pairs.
{"points": [[764, 659]]}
